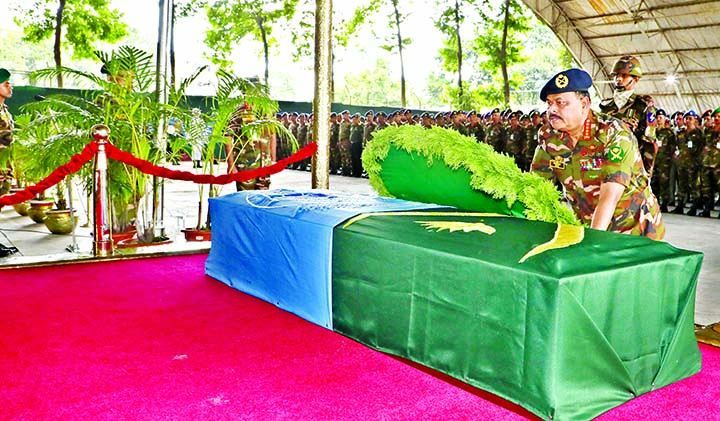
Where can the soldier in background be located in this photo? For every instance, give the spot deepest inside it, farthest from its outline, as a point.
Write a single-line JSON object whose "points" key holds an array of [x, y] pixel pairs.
{"points": [[516, 142], [667, 146], [6, 138], [380, 120], [689, 147], [495, 134], [475, 127], [244, 153], [710, 176], [637, 111], [344, 143], [531, 134], [356, 145], [334, 144]]}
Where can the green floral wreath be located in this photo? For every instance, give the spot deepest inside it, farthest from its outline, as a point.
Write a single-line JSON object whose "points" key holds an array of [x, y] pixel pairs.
{"points": [[491, 174]]}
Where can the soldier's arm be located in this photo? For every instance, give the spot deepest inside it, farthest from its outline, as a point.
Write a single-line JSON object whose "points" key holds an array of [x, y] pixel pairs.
{"points": [[610, 194]]}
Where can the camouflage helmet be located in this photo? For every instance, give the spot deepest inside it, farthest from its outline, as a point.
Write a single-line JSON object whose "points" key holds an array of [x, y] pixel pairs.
{"points": [[627, 65]]}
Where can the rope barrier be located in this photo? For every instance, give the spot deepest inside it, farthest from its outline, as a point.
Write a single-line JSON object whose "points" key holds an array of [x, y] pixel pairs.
{"points": [[77, 161]]}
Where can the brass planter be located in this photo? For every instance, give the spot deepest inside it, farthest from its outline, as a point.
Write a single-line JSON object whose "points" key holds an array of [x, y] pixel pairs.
{"points": [[20, 208], [38, 208], [59, 221]]}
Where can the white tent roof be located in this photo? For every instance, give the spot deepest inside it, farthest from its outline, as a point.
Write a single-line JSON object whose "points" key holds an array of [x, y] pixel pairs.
{"points": [[678, 39]]}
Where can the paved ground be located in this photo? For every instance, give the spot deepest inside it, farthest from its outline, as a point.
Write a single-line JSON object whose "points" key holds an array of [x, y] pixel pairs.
{"points": [[38, 245]]}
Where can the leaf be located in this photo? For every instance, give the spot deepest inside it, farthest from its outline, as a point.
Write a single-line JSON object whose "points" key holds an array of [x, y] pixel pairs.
{"points": [[565, 236], [453, 226]]}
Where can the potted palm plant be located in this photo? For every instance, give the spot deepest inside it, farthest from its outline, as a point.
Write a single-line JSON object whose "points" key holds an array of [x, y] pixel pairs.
{"points": [[233, 93], [127, 103]]}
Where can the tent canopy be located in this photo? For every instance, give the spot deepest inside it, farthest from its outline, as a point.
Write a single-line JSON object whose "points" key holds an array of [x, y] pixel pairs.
{"points": [[673, 40]]}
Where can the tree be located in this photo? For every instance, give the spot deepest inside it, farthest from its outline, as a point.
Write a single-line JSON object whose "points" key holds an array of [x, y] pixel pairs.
{"points": [[84, 21], [500, 42], [233, 20], [449, 22]]}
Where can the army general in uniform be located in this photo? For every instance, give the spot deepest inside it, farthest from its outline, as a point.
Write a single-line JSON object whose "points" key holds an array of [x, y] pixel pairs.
{"points": [[597, 160]]}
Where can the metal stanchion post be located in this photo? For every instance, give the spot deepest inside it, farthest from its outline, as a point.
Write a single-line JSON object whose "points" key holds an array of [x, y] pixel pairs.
{"points": [[102, 238]]}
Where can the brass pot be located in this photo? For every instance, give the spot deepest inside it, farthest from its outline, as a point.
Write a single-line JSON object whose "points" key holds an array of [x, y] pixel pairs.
{"points": [[38, 208], [22, 208], [59, 221]]}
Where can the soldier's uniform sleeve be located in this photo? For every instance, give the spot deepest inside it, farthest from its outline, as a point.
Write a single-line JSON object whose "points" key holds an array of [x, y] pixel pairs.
{"points": [[6, 127], [541, 160], [621, 154]]}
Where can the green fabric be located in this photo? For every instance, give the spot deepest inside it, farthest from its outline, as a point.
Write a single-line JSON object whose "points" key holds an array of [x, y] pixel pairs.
{"points": [[568, 334], [480, 172]]}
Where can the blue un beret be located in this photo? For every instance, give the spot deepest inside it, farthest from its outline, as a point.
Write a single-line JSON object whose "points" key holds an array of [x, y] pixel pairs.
{"points": [[571, 80]]}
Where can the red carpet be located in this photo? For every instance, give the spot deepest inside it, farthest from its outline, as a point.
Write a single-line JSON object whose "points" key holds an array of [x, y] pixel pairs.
{"points": [[157, 339]]}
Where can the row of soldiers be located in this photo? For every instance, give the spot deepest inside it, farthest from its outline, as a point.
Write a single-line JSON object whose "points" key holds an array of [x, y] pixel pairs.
{"points": [[513, 133], [687, 164], [686, 167]]}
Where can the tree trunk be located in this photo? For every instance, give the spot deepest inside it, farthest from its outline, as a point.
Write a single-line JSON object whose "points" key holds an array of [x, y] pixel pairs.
{"points": [[459, 51], [503, 54], [58, 36], [261, 24], [172, 46], [400, 51]]}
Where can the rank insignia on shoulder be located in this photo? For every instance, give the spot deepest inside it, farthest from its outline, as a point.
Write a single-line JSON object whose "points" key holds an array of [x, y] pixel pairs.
{"points": [[558, 162], [615, 154]]}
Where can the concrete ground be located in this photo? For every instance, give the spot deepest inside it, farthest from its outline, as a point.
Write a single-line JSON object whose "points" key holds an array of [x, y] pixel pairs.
{"points": [[37, 245]]}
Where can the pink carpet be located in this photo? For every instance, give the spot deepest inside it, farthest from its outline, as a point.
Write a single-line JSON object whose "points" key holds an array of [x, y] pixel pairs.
{"points": [[157, 339]]}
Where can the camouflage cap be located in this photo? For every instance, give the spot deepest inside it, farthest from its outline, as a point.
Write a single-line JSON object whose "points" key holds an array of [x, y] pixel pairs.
{"points": [[4, 75], [627, 65]]}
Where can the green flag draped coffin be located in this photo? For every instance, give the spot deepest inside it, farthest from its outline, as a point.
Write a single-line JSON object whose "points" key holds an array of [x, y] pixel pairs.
{"points": [[568, 333]]}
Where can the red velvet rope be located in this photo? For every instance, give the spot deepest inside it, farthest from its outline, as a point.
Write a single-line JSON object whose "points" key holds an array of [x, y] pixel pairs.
{"points": [[146, 167]]}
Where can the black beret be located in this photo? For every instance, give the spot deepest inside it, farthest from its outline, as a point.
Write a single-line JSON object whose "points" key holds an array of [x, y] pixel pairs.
{"points": [[368, 112], [571, 80], [379, 113], [660, 111]]}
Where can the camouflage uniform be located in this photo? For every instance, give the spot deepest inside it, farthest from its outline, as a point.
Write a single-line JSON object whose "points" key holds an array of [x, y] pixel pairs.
{"points": [[531, 137], [639, 114], [6, 138], [609, 154], [690, 144], [710, 175], [356, 147], [660, 182], [344, 148], [334, 147], [516, 145], [496, 137], [248, 153]]}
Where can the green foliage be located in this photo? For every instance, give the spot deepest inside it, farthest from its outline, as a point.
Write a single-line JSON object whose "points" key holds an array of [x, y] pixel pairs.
{"points": [[491, 173], [83, 23], [368, 87], [232, 20]]}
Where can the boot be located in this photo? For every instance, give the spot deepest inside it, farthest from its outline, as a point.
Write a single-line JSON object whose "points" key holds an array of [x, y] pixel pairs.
{"points": [[679, 209], [693, 208], [663, 208], [707, 207]]}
